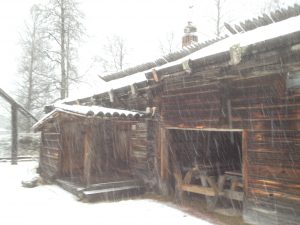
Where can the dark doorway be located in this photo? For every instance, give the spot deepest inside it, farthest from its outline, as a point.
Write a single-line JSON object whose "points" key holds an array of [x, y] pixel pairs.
{"points": [[206, 162]]}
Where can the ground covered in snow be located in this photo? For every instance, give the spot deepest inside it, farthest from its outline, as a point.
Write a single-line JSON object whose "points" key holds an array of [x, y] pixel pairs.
{"points": [[28, 144], [49, 204]]}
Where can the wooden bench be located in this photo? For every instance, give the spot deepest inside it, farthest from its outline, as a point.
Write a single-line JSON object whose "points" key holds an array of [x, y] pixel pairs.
{"points": [[235, 192], [212, 186]]}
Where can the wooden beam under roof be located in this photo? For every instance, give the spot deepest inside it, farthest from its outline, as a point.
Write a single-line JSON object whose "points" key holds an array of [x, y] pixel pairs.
{"points": [[20, 108]]}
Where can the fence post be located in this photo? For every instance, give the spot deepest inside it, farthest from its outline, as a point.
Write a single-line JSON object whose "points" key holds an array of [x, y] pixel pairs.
{"points": [[14, 134]]}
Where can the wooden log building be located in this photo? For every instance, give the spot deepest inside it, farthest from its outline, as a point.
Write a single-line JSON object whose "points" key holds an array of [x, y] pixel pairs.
{"points": [[85, 146], [224, 121]]}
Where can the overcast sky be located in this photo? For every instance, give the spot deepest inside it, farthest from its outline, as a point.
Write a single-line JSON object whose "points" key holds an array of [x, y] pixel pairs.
{"points": [[142, 23]]}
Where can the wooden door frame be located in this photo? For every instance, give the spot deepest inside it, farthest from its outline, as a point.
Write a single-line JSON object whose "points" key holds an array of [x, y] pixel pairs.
{"points": [[164, 152]]}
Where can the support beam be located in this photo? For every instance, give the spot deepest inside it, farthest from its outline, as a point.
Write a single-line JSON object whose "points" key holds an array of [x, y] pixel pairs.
{"points": [[164, 162], [87, 156], [111, 96], [164, 167], [204, 190], [20, 108], [133, 89], [245, 161], [14, 135], [154, 75], [187, 66]]}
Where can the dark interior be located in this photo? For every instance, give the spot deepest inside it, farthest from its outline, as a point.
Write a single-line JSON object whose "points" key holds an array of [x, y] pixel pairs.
{"points": [[213, 151]]}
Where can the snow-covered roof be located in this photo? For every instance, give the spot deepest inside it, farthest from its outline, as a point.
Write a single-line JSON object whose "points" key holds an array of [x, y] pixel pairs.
{"points": [[251, 37], [165, 59], [112, 85], [87, 111], [134, 75], [257, 35]]}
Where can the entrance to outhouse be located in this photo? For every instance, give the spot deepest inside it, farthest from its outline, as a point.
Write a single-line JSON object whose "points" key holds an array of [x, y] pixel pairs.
{"points": [[208, 163], [72, 151]]}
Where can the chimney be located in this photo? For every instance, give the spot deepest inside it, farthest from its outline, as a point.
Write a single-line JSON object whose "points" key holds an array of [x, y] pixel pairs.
{"points": [[189, 35]]}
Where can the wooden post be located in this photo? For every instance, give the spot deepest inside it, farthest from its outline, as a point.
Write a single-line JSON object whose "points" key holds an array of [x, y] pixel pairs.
{"points": [[229, 111], [14, 135], [133, 89], [155, 76], [245, 161], [164, 163], [164, 156], [87, 156], [111, 96]]}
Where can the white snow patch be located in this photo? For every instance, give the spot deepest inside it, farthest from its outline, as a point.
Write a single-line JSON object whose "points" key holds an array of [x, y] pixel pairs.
{"points": [[84, 92], [49, 204]]}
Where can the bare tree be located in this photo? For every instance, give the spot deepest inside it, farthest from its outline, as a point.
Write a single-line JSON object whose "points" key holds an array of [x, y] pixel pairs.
{"points": [[169, 44], [65, 29], [115, 52], [34, 86], [219, 18]]}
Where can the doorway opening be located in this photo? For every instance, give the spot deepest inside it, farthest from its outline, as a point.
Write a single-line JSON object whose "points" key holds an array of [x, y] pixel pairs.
{"points": [[206, 163]]}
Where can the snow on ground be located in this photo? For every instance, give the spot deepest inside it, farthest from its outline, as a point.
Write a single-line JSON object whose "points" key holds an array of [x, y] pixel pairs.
{"points": [[49, 204], [28, 143]]}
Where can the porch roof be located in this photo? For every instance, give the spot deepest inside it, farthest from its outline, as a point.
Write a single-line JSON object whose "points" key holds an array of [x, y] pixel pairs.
{"points": [[87, 112]]}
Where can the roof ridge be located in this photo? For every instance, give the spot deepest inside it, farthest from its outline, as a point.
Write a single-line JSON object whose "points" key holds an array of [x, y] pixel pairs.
{"points": [[173, 56], [264, 19]]}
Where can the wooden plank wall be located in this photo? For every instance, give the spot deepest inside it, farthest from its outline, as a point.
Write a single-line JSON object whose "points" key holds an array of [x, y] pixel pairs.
{"points": [[72, 156], [117, 147], [263, 107], [143, 150], [50, 152], [188, 102], [266, 109]]}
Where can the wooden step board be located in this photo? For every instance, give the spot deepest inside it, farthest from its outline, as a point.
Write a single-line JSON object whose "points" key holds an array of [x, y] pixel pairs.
{"points": [[106, 191], [69, 186], [111, 194], [114, 184]]}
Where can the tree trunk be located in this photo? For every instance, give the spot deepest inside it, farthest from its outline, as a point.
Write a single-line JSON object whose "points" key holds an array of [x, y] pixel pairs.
{"points": [[14, 135], [28, 105], [63, 82], [68, 58], [218, 28]]}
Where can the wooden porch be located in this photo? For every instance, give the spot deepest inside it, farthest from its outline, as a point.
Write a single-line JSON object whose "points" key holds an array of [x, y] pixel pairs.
{"points": [[106, 188]]}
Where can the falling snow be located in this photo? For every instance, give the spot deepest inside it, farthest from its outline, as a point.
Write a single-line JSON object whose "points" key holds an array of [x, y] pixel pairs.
{"points": [[49, 204]]}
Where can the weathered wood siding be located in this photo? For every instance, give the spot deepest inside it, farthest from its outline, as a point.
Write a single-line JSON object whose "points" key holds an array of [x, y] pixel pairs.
{"points": [[92, 150], [266, 109], [143, 147], [187, 102], [50, 152], [72, 137], [258, 102]]}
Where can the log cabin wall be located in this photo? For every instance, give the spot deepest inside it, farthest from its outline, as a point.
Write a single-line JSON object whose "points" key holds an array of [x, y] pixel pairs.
{"points": [[102, 147], [72, 152], [49, 166], [143, 152], [251, 96], [90, 150], [266, 110], [125, 147]]}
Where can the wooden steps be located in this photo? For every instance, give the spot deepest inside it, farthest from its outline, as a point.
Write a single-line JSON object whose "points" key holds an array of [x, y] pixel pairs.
{"points": [[106, 191], [69, 186]]}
